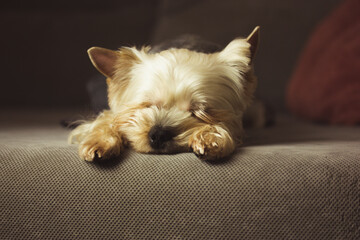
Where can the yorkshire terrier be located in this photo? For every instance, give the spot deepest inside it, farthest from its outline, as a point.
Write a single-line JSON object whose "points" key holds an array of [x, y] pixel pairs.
{"points": [[173, 100]]}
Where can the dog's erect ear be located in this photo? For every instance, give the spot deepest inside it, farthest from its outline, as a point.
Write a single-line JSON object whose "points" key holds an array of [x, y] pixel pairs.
{"points": [[253, 39], [241, 50], [104, 60]]}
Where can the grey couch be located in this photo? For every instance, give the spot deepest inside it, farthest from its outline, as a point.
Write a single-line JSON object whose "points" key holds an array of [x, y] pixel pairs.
{"points": [[294, 180]]}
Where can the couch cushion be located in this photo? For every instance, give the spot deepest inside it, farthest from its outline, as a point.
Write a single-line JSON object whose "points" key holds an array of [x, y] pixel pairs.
{"points": [[292, 181]]}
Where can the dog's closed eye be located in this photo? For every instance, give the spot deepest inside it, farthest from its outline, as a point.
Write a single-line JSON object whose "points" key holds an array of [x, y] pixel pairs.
{"points": [[193, 114], [200, 112]]}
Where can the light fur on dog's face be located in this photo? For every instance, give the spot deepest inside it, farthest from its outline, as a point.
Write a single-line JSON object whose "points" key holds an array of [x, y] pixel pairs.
{"points": [[178, 99]]}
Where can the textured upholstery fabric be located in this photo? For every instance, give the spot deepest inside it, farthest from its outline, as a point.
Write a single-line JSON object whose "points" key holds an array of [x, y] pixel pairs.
{"points": [[291, 181]]}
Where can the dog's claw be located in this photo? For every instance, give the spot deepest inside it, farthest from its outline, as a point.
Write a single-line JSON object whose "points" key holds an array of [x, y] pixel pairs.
{"points": [[98, 153]]}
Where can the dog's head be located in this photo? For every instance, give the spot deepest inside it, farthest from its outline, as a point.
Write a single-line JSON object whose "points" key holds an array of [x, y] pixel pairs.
{"points": [[162, 98]]}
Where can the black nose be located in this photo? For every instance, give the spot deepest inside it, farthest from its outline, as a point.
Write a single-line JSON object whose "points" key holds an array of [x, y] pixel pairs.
{"points": [[159, 135]]}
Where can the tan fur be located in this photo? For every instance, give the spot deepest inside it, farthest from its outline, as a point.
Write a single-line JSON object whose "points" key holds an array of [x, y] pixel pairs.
{"points": [[99, 138], [200, 98], [212, 142]]}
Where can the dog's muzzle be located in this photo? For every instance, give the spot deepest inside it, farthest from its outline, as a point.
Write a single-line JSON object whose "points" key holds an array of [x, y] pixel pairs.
{"points": [[159, 136]]}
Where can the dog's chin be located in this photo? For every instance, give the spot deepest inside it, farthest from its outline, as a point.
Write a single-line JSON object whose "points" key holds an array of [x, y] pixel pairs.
{"points": [[168, 151], [167, 148]]}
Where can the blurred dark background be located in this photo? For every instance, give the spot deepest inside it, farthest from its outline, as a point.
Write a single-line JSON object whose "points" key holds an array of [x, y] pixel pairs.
{"points": [[45, 65]]}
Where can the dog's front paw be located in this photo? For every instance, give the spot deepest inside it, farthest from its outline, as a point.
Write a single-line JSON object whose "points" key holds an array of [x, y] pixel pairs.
{"points": [[211, 143], [94, 148]]}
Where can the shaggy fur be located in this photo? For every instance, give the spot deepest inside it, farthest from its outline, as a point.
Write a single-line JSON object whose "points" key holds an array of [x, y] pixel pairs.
{"points": [[171, 101]]}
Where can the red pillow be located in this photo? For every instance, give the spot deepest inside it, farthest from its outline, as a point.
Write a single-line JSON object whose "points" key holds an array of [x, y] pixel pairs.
{"points": [[325, 86]]}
